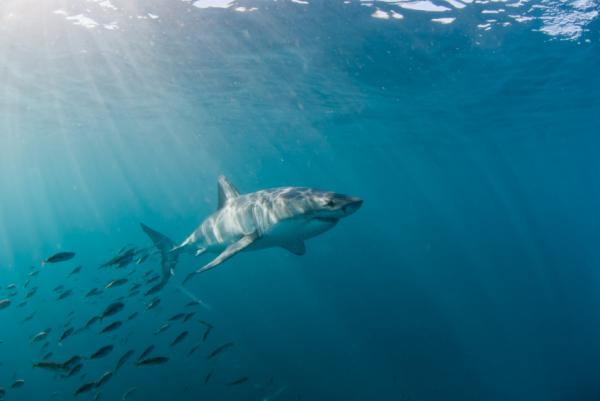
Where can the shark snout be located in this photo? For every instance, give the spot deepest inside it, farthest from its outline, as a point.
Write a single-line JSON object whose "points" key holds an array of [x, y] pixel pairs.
{"points": [[352, 206]]}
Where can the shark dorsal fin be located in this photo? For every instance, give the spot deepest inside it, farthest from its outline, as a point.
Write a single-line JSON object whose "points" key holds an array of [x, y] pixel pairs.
{"points": [[226, 191]]}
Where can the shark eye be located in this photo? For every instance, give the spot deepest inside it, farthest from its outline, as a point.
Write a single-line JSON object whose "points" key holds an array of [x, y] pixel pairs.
{"points": [[330, 203]]}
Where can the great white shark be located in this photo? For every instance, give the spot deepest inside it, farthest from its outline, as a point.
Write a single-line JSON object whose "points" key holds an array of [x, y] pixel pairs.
{"points": [[279, 217]]}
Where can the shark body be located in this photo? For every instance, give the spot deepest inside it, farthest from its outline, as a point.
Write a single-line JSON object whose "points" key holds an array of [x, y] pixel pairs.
{"points": [[280, 217]]}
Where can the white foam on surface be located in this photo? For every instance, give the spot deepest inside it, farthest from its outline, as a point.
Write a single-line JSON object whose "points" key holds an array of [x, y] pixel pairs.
{"points": [[380, 14], [300, 2], [567, 20], [82, 20], [212, 3], [445, 20], [107, 4], [518, 4], [245, 9], [456, 4], [423, 5], [521, 18]]}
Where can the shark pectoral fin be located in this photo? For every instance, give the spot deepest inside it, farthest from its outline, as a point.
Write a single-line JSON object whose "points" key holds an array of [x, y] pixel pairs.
{"points": [[200, 251], [295, 247], [231, 250]]}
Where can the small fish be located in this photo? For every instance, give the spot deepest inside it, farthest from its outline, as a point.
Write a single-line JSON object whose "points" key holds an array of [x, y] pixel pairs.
{"points": [[97, 396], [205, 323], [128, 393], [47, 356], [157, 360], [102, 352], [146, 352], [85, 388], [18, 383], [176, 317], [179, 338], [142, 259], [92, 292], [132, 316], [59, 257], [111, 327], [208, 376], [116, 283], [66, 334], [155, 289], [192, 303], [153, 304], [194, 348], [65, 294], [31, 292], [4, 303], [33, 273], [49, 365], [123, 359], [220, 349], [39, 336], [79, 330], [11, 286], [188, 316], [29, 317], [74, 370], [75, 270], [71, 361], [122, 259], [162, 328], [133, 293], [105, 377], [91, 322], [238, 381], [58, 288], [206, 333], [112, 309]]}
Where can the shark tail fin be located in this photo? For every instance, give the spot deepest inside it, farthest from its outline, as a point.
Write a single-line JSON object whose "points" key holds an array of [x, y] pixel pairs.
{"points": [[168, 252]]}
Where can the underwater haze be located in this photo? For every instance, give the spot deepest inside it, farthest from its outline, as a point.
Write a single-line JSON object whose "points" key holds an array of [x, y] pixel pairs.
{"points": [[470, 129]]}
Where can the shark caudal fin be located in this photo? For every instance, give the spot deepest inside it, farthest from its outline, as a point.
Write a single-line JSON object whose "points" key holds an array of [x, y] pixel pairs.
{"points": [[168, 254]]}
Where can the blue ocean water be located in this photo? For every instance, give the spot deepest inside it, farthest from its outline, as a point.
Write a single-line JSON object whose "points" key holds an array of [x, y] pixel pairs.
{"points": [[470, 129]]}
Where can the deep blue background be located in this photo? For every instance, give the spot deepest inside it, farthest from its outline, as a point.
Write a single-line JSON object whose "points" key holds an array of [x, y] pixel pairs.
{"points": [[470, 273]]}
